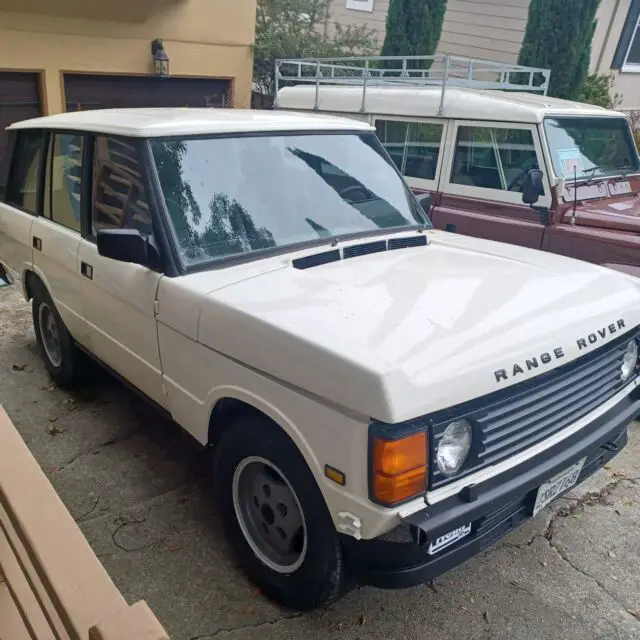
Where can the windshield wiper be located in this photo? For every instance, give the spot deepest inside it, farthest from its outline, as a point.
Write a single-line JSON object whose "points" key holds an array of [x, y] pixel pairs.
{"points": [[625, 171], [593, 171]]}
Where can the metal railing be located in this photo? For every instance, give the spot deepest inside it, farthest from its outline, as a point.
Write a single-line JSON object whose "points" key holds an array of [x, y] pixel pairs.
{"points": [[438, 70]]}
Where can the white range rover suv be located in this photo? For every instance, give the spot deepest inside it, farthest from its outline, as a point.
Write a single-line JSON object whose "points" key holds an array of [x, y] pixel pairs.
{"points": [[382, 400]]}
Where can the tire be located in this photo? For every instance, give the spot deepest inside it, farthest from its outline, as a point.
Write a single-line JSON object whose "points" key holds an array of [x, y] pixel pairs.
{"points": [[64, 361], [313, 573]]}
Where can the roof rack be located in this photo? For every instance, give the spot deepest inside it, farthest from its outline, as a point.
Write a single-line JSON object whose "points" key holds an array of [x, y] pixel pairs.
{"points": [[438, 70]]}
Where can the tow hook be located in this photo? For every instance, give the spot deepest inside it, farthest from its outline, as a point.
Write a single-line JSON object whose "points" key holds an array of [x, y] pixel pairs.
{"points": [[351, 525]]}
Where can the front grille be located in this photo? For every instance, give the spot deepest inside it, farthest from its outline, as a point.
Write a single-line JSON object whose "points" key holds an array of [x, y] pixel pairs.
{"points": [[508, 422]]}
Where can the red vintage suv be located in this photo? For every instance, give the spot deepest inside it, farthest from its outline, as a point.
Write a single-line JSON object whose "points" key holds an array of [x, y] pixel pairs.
{"points": [[489, 154]]}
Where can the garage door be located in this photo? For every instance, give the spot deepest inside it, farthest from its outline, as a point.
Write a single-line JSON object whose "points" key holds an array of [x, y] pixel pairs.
{"points": [[107, 92], [19, 100]]}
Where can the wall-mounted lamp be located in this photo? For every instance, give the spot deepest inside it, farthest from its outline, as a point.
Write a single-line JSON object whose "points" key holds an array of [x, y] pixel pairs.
{"points": [[160, 58]]}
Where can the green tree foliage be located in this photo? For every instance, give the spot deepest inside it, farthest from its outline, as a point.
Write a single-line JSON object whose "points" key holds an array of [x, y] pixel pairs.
{"points": [[413, 27], [558, 37], [598, 90], [298, 29]]}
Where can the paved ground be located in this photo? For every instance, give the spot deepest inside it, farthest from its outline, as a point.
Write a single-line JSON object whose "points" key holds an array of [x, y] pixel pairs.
{"points": [[136, 486]]}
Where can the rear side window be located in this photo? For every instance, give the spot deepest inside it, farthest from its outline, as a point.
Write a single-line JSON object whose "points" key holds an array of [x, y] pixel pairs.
{"points": [[413, 146], [493, 158], [63, 180], [22, 186]]}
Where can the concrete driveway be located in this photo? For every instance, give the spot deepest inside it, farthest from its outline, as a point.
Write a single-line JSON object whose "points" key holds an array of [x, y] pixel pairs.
{"points": [[137, 485]]}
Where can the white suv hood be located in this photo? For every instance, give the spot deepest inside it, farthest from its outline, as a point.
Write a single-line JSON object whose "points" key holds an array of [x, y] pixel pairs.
{"points": [[403, 333]]}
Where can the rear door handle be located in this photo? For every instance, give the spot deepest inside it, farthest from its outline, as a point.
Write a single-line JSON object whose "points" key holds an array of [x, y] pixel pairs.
{"points": [[86, 270], [37, 243]]}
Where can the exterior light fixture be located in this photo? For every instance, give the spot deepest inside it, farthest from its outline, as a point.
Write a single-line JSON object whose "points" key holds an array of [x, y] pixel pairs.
{"points": [[160, 58]]}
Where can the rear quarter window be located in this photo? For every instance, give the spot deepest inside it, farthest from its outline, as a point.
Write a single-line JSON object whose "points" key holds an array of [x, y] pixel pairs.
{"points": [[24, 174]]}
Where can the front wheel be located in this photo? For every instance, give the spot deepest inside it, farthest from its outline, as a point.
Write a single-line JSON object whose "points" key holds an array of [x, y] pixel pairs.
{"points": [[275, 517]]}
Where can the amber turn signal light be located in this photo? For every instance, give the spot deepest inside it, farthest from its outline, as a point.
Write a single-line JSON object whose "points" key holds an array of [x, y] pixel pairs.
{"points": [[399, 468]]}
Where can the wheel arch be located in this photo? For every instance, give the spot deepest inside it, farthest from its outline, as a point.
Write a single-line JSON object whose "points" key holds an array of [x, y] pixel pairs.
{"points": [[230, 404]]}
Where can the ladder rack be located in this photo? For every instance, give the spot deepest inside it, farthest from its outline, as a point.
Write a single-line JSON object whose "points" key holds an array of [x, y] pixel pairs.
{"points": [[439, 70]]}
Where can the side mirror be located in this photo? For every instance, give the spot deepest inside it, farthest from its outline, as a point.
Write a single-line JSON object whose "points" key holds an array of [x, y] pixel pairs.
{"points": [[128, 245], [532, 187]]}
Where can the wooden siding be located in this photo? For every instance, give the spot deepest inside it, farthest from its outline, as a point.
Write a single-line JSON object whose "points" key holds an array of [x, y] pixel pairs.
{"points": [[374, 20], [481, 29], [475, 28]]}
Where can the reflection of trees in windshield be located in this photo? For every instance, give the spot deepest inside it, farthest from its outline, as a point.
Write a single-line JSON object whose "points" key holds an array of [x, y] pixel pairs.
{"points": [[231, 229], [602, 142], [341, 182]]}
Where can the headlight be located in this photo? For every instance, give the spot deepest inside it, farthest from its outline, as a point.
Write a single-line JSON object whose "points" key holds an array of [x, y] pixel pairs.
{"points": [[454, 447], [629, 361]]}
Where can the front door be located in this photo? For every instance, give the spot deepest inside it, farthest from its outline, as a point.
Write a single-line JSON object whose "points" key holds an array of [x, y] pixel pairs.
{"points": [[481, 184], [119, 298]]}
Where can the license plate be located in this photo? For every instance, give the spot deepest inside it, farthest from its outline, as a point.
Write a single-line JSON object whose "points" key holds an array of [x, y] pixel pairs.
{"points": [[558, 485]]}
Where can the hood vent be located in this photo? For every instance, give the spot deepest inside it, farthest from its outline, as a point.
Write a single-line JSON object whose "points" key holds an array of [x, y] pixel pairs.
{"points": [[318, 259], [364, 249]]}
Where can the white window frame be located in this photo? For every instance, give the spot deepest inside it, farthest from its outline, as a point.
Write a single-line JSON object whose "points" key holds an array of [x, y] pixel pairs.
{"points": [[361, 5], [421, 183], [631, 67], [483, 193]]}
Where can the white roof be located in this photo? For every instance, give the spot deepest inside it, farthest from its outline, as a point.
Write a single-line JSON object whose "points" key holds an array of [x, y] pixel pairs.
{"points": [[185, 122], [460, 104]]}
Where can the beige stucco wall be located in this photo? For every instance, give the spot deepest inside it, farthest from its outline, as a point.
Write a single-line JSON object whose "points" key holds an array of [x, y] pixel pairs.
{"points": [[611, 17], [203, 38]]}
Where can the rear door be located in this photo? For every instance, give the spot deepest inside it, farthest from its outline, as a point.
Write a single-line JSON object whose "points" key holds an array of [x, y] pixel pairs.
{"points": [[481, 184], [55, 235], [19, 201]]}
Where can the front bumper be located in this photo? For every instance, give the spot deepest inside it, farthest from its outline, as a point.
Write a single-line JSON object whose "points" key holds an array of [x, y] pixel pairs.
{"points": [[493, 508]]}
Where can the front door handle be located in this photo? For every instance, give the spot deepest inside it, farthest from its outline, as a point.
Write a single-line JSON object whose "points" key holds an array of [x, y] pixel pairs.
{"points": [[86, 270], [37, 243]]}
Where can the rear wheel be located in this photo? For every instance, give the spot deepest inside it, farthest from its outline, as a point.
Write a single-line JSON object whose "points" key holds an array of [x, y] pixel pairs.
{"points": [[275, 517], [60, 355]]}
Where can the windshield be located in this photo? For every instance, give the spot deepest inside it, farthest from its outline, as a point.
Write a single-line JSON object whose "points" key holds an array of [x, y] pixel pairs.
{"points": [[590, 147], [228, 196]]}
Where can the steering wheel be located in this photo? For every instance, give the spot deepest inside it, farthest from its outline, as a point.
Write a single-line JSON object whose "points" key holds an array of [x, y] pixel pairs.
{"points": [[353, 187]]}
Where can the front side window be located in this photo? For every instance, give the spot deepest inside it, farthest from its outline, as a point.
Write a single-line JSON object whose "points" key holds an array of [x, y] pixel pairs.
{"points": [[22, 186], [590, 147], [63, 179], [232, 196], [493, 158], [119, 198], [413, 146]]}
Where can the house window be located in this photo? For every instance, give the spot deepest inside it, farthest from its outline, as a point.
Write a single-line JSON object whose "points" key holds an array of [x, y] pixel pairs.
{"points": [[632, 61], [360, 5], [627, 56]]}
